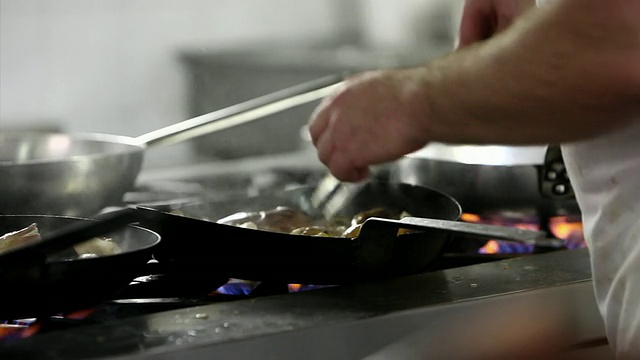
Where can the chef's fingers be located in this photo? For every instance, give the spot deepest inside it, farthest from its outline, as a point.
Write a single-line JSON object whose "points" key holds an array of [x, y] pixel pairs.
{"points": [[320, 118], [343, 168], [361, 173], [324, 147], [477, 22], [318, 122], [338, 162]]}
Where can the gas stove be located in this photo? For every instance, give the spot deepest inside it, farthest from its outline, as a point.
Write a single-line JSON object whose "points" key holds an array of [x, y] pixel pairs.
{"points": [[163, 315], [546, 298]]}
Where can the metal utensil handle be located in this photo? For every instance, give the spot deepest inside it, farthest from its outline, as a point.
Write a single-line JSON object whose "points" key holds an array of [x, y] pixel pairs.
{"points": [[529, 237], [242, 113]]}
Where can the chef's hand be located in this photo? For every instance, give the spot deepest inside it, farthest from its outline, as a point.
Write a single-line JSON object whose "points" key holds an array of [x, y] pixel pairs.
{"points": [[381, 116], [374, 118], [481, 19]]}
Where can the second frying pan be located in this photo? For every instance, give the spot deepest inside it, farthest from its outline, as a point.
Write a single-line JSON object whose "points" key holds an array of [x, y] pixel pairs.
{"points": [[61, 281]]}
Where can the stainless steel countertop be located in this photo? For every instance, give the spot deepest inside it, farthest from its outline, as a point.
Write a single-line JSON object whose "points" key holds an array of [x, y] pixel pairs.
{"points": [[276, 324]]}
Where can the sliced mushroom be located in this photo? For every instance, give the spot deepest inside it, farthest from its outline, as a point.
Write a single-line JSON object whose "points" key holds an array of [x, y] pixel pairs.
{"points": [[22, 237]]}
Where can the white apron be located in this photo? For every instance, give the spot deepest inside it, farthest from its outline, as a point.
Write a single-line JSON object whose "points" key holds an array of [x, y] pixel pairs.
{"points": [[605, 173]]}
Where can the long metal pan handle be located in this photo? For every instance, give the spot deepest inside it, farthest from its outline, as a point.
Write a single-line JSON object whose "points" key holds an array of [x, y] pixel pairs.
{"points": [[242, 113], [529, 237]]}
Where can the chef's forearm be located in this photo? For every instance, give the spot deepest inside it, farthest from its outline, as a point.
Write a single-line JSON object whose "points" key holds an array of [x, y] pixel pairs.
{"points": [[560, 74]]}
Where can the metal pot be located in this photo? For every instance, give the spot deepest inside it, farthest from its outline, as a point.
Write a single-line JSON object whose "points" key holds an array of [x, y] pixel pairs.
{"points": [[487, 178]]}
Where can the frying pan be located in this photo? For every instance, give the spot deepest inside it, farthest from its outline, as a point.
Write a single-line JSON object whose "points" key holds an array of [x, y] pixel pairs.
{"points": [[61, 282], [193, 242], [80, 174]]}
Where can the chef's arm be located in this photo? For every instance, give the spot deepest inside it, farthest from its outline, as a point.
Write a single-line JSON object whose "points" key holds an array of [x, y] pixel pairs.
{"points": [[565, 72]]}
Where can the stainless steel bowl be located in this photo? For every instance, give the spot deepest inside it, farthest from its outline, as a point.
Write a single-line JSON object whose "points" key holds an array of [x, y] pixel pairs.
{"points": [[63, 174]]}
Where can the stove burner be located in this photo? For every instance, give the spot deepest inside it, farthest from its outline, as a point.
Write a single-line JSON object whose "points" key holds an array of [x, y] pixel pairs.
{"points": [[163, 291], [567, 228]]}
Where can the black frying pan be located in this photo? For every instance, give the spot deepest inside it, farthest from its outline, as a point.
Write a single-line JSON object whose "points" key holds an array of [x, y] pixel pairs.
{"points": [[60, 282], [192, 243]]}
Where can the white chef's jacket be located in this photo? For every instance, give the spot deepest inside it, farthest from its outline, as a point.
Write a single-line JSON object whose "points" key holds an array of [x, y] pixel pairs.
{"points": [[605, 173]]}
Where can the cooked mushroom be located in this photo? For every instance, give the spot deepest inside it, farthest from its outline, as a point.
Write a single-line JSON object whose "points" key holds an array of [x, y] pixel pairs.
{"points": [[15, 239], [90, 248], [97, 247], [286, 220], [310, 231], [283, 219], [280, 219]]}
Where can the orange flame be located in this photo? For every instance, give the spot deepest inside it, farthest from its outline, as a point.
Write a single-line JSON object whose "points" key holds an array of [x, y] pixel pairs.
{"points": [[569, 229], [295, 287], [31, 330], [563, 227], [7, 330], [81, 314], [493, 246], [470, 218]]}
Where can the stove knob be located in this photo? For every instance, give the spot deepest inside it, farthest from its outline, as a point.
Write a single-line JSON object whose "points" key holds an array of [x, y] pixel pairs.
{"points": [[554, 181], [560, 189]]}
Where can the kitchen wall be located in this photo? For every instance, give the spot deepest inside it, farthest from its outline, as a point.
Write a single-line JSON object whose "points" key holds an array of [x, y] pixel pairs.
{"points": [[113, 65]]}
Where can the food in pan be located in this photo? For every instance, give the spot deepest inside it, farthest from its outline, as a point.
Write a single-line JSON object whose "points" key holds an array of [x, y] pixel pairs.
{"points": [[14, 239], [286, 220], [280, 219], [91, 248], [96, 247]]}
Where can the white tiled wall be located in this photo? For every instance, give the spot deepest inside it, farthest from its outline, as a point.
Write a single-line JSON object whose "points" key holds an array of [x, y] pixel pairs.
{"points": [[111, 65], [409, 23]]}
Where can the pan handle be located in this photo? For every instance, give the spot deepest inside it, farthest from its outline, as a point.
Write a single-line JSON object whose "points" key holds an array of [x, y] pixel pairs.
{"points": [[243, 113], [528, 237]]}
